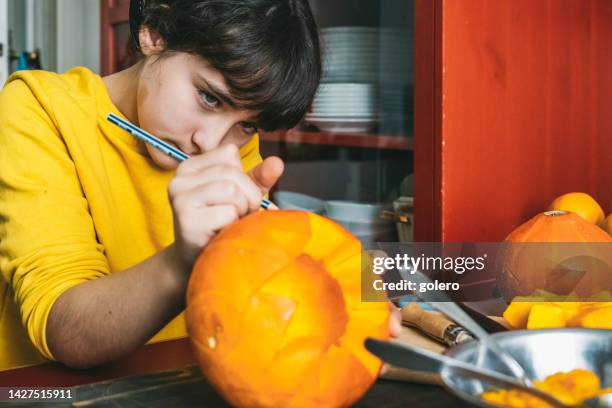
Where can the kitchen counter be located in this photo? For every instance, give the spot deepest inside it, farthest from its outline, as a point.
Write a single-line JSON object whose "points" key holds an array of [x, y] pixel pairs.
{"points": [[165, 374]]}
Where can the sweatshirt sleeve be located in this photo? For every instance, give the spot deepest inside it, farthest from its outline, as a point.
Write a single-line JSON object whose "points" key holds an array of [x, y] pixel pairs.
{"points": [[47, 238]]}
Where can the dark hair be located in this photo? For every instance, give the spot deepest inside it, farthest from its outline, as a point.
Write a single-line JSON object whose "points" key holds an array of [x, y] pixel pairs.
{"points": [[267, 50]]}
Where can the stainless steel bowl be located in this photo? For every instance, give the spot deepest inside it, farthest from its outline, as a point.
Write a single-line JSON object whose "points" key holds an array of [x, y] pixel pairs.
{"points": [[296, 201], [540, 352]]}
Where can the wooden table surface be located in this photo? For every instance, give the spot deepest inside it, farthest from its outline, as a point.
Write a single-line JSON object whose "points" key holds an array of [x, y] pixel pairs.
{"points": [[165, 375]]}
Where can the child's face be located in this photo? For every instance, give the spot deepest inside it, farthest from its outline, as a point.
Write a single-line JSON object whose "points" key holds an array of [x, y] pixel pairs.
{"points": [[186, 103]]}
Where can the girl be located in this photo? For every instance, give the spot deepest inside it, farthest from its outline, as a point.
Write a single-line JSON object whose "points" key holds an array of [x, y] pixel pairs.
{"points": [[98, 232]]}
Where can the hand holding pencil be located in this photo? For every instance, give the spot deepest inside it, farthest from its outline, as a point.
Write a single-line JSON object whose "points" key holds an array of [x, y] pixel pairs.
{"points": [[265, 179], [209, 191]]}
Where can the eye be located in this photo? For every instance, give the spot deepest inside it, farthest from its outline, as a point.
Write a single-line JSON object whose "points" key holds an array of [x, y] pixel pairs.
{"points": [[248, 128], [209, 100]]}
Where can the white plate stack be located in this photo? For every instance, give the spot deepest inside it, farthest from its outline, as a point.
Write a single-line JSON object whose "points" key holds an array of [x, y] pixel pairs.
{"points": [[364, 72], [345, 107], [348, 97], [351, 54]]}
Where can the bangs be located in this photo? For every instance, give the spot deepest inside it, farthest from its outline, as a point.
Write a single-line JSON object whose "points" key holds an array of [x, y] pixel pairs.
{"points": [[279, 89], [268, 52]]}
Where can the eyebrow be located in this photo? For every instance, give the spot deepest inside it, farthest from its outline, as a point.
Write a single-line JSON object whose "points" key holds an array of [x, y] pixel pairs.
{"points": [[219, 94]]}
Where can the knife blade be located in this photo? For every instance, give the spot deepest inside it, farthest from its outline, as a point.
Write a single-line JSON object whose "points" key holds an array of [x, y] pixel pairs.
{"points": [[395, 354], [414, 358]]}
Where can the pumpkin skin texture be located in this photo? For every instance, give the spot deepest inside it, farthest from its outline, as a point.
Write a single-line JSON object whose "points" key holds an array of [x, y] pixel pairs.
{"points": [[275, 315], [607, 224], [580, 203], [529, 263]]}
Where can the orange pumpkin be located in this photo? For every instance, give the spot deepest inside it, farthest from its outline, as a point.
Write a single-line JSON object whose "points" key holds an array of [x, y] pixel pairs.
{"points": [[580, 261], [580, 203], [275, 315]]}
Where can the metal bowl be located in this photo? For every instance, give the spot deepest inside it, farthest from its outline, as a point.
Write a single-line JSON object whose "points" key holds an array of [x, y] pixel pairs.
{"points": [[353, 211], [296, 201], [540, 352]]}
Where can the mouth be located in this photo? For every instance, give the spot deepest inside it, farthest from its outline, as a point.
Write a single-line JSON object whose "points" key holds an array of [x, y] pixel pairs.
{"points": [[171, 143]]}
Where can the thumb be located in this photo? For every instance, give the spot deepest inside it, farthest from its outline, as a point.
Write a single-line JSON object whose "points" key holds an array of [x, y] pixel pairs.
{"points": [[267, 173]]}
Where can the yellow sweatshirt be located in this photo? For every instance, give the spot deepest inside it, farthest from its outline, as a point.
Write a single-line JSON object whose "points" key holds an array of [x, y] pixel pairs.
{"points": [[79, 199]]}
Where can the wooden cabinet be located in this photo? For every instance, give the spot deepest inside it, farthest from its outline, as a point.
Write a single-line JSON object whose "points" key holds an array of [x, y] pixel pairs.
{"points": [[512, 106], [518, 104], [365, 44], [116, 51]]}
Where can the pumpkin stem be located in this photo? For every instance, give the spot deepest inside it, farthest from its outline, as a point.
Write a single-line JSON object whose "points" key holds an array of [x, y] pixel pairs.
{"points": [[555, 213]]}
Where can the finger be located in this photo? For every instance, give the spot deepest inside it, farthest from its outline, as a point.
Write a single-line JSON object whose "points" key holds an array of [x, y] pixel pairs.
{"points": [[226, 154], [218, 216], [267, 173], [222, 172], [395, 320], [218, 192]]}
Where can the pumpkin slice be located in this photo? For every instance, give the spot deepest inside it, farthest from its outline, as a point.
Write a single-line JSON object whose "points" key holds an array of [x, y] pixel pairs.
{"points": [[544, 316]]}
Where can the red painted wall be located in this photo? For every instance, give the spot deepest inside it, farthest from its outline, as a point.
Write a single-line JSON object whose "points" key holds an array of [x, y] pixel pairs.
{"points": [[526, 110]]}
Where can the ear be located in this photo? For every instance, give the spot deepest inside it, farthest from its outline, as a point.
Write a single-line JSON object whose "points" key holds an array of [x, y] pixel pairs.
{"points": [[150, 41]]}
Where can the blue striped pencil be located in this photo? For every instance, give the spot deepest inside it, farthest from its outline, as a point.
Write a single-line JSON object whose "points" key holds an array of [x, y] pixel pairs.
{"points": [[161, 145]]}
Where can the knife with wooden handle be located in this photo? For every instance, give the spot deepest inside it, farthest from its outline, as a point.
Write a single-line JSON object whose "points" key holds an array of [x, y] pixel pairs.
{"points": [[434, 325]]}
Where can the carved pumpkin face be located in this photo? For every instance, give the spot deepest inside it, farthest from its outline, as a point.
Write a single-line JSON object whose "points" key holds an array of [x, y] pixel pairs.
{"points": [[275, 315]]}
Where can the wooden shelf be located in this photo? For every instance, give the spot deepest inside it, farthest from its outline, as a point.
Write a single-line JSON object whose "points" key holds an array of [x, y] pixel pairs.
{"points": [[339, 139]]}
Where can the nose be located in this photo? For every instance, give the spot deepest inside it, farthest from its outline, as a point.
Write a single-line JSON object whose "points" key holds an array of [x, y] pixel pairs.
{"points": [[209, 134]]}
